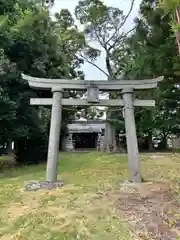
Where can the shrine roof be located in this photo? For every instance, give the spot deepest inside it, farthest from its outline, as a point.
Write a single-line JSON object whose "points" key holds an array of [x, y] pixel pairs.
{"points": [[86, 126]]}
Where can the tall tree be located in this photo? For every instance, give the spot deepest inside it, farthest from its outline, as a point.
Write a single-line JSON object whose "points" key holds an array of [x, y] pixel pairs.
{"points": [[103, 25], [150, 52], [173, 7], [32, 43], [103, 29]]}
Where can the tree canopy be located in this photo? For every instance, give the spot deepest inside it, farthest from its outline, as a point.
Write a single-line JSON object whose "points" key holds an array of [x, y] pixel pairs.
{"points": [[172, 7], [34, 43], [145, 51]]}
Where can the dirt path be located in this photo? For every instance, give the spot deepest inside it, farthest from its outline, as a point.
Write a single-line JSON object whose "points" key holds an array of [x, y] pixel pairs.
{"points": [[152, 211]]}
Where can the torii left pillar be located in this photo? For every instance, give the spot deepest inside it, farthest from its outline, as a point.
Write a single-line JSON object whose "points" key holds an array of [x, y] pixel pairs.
{"points": [[54, 135]]}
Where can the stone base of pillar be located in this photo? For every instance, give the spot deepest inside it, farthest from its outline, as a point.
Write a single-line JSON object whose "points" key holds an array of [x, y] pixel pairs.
{"points": [[48, 185]]}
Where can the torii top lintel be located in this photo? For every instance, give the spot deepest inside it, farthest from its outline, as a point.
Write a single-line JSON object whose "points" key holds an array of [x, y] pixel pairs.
{"points": [[115, 85]]}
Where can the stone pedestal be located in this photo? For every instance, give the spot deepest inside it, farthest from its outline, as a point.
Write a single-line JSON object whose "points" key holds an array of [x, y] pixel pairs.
{"points": [[98, 142], [114, 139], [54, 136], [110, 137], [101, 142], [107, 136], [131, 138], [46, 185], [175, 142], [69, 143]]}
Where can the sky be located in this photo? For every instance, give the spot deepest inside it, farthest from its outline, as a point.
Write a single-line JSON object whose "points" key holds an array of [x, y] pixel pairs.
{"points": [[91, 73]]}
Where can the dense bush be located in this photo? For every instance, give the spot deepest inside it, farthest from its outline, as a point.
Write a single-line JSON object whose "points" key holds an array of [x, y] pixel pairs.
{"points": [[31, 151]]}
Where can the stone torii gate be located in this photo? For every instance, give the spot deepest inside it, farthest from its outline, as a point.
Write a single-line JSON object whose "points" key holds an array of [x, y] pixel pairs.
{"points": [[127, 88]]}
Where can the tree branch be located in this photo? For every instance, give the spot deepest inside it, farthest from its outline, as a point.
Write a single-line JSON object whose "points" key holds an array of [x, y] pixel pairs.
{"points": [[108, 65], [99, 40], [122, 24], [93, 64], [151, 42], [118, 40]]}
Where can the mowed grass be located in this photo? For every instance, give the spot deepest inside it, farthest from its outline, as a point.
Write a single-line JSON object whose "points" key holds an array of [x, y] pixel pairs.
{"points": [[85, 207]]}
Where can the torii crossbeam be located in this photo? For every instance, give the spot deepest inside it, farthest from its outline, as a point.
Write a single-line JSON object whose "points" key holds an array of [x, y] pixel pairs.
{"points": [[127, 87]]}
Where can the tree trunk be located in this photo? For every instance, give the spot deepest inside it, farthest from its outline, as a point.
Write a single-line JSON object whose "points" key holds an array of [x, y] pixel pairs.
{"points": [[150, 143], [108, 135], [9, 147], [178, 33], [165, 145]]}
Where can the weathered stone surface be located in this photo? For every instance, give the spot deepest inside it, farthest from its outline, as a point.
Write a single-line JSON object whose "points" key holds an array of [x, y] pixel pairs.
{"points": [[44, 83], [131, 137], [36, 185], [151, 210], [54, 136], [128, 101]]}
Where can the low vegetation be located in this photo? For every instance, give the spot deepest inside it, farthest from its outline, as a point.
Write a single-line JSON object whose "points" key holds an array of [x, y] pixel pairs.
{"points": [[86, 207]]}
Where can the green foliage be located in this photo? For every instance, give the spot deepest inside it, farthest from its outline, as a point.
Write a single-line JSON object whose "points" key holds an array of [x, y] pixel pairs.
{"points": [[150, 52], [154, 54], [102, 25], [33, 43], [90, 113], [176, 150], [171, 7]]}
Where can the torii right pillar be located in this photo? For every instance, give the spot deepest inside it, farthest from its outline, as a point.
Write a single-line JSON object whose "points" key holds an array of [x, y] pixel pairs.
{"points": [[131, 137]]}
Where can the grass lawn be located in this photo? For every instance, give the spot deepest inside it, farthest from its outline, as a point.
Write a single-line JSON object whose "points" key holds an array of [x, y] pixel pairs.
{"points": [[78, 210]]}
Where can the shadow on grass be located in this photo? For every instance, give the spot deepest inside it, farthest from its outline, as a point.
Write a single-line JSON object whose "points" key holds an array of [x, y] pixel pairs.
{"points": [[9, 168]]}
